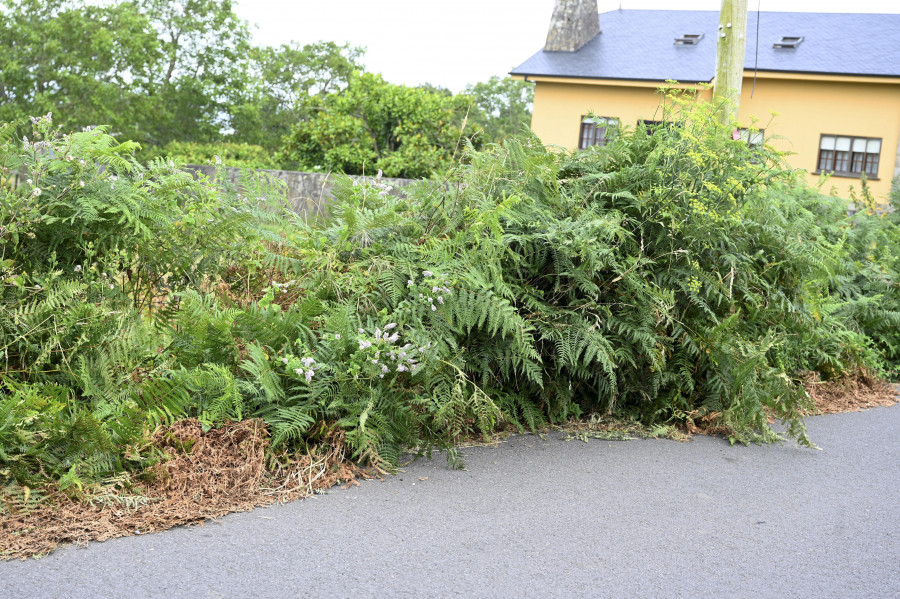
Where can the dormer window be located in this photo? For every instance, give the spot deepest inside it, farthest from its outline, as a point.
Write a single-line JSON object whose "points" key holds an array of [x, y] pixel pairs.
{"points": [[788, 42], [689, 39]]}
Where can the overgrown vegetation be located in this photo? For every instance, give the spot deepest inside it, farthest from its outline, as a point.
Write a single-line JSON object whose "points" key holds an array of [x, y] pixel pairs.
{"points": [[674, 276], [181, 77]]}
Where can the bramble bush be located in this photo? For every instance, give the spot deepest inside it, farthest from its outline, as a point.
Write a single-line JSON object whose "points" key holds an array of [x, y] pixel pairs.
{"points": [[673, 275]]}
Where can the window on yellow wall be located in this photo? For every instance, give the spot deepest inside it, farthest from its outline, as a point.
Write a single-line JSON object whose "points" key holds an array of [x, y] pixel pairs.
{"points": [[849, 156], [597, 131], [753, 137], [651, 126]]}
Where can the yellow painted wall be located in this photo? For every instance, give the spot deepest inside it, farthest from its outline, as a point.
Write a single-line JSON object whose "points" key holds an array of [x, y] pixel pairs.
{"points": [[807, 107]]}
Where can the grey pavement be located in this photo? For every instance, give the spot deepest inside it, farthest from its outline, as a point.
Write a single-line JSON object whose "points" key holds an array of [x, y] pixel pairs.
{"points": [[543, 518]]}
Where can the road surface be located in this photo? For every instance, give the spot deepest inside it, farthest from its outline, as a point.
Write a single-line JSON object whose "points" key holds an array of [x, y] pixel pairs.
{"points": [[543, 518]]}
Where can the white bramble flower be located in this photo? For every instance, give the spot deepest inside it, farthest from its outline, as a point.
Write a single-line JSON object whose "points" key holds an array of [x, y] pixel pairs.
{"points": [[385, 369], [409, 283], [427, 273], [393, 338], [433, 308], [307, 362], [171, 164], [81, 183], [440, 299], [309, 375], [337, 335], [29, 181], [390, 326], [77, 268], [298, 370], [285, 360], [218, 160], [36, 192]]}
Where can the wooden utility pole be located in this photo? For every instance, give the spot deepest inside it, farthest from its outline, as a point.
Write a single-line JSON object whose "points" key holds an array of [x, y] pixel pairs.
{"points": [[730, 50]]}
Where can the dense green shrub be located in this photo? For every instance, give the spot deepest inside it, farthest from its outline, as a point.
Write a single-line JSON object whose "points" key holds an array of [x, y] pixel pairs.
{"points": [[228, 154], [675, 274], [91, 245], [374, 125], [867, 283]]}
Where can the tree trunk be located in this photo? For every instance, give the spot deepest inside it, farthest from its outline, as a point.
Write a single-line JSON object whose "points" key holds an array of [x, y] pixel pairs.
{"points": [[730, 50]]}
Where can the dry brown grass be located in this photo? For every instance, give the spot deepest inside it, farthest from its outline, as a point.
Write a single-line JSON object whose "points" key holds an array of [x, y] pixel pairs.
{"points": [[208, 475], [858, 391]]}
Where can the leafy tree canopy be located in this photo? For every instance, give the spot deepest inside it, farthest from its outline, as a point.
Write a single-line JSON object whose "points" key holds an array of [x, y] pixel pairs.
{"points": [[147, 68], [81, 62], [280, 79], [164, 71], [375, 125], [501, 106]]}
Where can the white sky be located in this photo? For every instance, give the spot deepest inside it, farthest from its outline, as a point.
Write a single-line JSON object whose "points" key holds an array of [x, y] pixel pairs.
{"points": [[455, 42]]}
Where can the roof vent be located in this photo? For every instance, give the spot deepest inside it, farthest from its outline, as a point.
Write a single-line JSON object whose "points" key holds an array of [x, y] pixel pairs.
{"points": [[788, 42], [689, 39]]}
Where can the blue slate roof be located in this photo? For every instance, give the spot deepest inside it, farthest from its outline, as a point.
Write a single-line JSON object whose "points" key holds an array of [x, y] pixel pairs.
{"points": [[639, 45]]}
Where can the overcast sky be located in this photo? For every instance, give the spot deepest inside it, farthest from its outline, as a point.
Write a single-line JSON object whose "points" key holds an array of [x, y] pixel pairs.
{"points": [[452, 43]]}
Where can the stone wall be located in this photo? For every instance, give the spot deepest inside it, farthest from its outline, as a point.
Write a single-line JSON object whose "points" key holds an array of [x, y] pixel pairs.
{"points": [[307, 193]]}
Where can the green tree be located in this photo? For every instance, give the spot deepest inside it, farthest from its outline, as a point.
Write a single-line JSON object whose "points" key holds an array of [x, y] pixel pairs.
{"points": [[200, 69], [501, 106], [372, 125], [279, 81], [154, 70], [84, 63]]}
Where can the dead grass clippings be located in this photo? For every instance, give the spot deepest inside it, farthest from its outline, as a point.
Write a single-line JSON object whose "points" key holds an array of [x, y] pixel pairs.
{"points": [[859, 391], [208, 474]]}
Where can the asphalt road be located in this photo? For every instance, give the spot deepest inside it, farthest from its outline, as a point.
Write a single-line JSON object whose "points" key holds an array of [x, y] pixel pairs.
{"points": [[534, 518]]}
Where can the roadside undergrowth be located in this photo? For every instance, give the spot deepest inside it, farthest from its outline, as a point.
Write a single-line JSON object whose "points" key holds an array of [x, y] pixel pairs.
{"points": [[851, 393], [205, 475]]}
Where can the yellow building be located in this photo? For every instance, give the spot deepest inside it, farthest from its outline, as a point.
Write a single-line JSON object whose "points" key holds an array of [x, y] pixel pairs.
{"points": [[832, 79]]}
